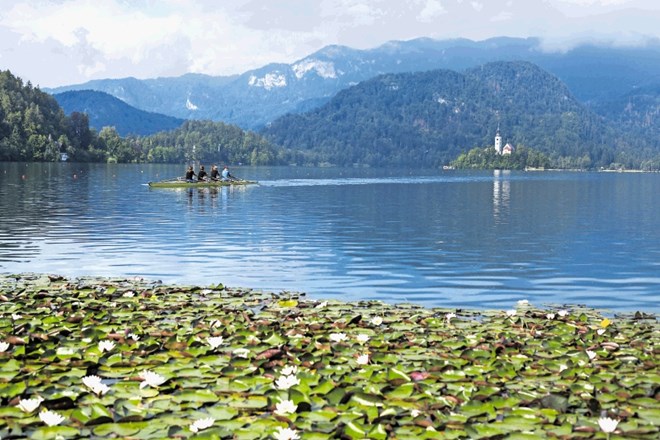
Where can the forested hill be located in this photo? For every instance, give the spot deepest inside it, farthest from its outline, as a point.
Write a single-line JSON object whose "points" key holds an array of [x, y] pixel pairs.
{"points": [[427, 119], [105, 110], [33, 127], [32, 124]]}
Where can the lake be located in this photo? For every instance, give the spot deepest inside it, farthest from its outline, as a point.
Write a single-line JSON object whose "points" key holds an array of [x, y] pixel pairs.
{"points": [[436, 238]]}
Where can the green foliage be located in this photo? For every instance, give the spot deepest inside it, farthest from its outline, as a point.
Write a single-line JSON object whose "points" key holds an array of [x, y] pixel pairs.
{"points": [[164, 359], [34, 128], [207, 142], [31, 122], [488, 158], [429, 118]]}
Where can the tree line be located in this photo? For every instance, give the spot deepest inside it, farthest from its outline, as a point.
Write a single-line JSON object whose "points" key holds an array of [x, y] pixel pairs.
{"points": [[427, 119], [33, 127]]}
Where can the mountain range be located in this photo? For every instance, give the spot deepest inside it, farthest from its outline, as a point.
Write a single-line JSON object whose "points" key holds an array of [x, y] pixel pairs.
{"points": [[429, 118], [609, 79], [105, 110]]}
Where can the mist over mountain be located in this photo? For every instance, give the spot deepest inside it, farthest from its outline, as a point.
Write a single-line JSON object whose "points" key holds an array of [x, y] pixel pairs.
{"points": [[595, 75]]}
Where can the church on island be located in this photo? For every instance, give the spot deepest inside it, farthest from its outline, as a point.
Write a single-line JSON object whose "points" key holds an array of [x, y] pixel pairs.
{"points": [[499, 149]]}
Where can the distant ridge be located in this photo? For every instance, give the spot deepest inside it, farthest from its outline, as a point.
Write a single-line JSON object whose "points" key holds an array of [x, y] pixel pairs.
{"points": [[429, 118], [105, 110], [594, 75]]}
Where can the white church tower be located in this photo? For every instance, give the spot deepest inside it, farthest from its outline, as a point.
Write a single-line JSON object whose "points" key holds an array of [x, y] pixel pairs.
{"points": [[498, 141]]}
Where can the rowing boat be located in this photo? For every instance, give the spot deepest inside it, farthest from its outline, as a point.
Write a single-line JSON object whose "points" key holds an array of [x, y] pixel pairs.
{"points": [[196, 184]]}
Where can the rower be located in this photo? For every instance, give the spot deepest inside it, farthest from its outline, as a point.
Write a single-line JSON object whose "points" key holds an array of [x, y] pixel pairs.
{"points": [[190, 174], [215, 174], [226, 175], [201, 176]]}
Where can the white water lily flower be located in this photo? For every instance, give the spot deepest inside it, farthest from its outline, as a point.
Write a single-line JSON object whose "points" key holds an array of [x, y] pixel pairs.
{"points": [[51, 418], [362, 338], [562, 367], [562, 313], [94, 383], [321, 305], [286, 434], [214, 323], [133, 336], [377, 320], [89, 381], [150, 378], [591, 354], [242, 352], [601, 331], [129, 294], [523, 302], [285, 407], [29, 405], [205, 291], [200, 424], [338, 337], [4, 346], [607, 425], [449, 316], [16, 316], [415, 412], [550, 316], [289, 370], [106, 346], [215, 341], [286, 382], [511, 313], [363, 359]]}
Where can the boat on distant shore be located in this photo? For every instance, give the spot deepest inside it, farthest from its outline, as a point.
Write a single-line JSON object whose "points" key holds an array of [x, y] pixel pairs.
{"points": [[182, 183]]}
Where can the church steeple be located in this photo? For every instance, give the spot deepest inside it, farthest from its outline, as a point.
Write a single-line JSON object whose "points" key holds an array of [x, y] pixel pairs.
{"points": [[498, 140]]}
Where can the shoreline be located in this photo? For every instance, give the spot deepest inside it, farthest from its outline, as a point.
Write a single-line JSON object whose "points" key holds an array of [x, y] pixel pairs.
{"points": [[233, 356]]}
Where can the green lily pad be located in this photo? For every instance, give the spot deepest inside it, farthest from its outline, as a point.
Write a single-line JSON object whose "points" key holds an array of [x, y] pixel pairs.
{"points": [[199, 396], [54, 432]]}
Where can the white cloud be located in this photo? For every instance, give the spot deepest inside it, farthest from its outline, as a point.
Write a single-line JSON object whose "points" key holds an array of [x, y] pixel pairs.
{"points": [[84, 39], [477, 6], [595, 2], [502, 16], [432, 9]]}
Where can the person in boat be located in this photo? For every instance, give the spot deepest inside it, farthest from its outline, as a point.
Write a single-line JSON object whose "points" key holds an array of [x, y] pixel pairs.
{"points": [[190, 174], [201, 176], [215, 174], [226, 175]]}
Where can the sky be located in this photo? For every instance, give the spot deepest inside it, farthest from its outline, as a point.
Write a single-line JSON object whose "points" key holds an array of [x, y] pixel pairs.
{"points": [[64, 42]]}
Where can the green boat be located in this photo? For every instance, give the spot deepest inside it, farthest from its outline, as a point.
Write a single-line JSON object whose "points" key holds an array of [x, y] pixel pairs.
{"points": [[180, 183]]}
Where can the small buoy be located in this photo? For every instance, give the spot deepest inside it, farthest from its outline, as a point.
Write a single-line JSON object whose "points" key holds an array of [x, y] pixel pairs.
{"points": [[75, 176]]}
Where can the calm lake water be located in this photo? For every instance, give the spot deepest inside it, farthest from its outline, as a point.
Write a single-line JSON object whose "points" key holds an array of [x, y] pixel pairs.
{"points": [[437, 238]]}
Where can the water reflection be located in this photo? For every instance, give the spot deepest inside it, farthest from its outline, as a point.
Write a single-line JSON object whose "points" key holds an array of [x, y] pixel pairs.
{"points": [[501, 195], [463, 239]]}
